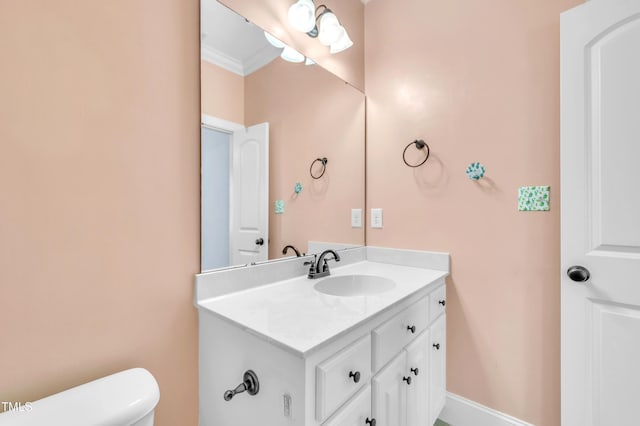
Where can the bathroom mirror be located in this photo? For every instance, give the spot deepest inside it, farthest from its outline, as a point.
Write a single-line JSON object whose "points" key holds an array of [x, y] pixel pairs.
{"points": [[268, 125]]}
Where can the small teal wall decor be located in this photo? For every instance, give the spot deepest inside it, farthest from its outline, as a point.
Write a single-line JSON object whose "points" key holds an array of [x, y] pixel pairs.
{"points": [[279, 207], [298, 188], [533, 198], [475, 171]]}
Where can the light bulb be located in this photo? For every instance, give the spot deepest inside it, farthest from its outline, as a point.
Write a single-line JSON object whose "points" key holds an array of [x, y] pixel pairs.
{"points": [[291, 55], [302, 15], [343, 44], [330, 29]]}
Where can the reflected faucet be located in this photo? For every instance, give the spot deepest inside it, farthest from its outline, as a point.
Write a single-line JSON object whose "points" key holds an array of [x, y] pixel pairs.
{"points": [[321, 269], [287, 247]]}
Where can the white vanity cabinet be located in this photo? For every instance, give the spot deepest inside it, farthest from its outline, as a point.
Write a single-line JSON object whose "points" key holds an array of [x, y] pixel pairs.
{"points": [[387, 371], [326, 360]]}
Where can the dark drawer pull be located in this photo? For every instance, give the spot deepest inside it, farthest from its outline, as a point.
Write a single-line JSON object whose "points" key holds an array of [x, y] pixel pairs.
{"points": [[443, 302], [407, 379], [437, 346], [412, 329], [355, 376], [371, 422], [415, 371]]}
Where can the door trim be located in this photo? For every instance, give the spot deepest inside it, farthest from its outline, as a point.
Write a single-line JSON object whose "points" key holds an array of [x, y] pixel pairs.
{"points": [[220, 124]]}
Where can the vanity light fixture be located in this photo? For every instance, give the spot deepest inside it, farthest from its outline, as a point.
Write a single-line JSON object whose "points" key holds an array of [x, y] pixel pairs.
{"points": [[325, 26]]}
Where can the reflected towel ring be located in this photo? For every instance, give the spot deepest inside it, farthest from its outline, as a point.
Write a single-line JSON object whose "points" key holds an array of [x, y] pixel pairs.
{"points": [[324, 162], [420, 144]]}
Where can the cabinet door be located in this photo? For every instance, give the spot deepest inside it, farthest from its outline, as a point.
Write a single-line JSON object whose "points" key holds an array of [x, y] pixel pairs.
{"points": [[418, 353], [356, 412], [438, 366], [390, 393]]}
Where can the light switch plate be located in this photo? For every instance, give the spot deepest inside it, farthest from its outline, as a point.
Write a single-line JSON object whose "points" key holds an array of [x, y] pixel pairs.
{"points": [[356, 218], [533, 198], [376, 218]]}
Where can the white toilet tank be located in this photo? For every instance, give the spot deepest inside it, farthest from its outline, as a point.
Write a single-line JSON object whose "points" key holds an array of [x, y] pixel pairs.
{"points": [[127, 398]]}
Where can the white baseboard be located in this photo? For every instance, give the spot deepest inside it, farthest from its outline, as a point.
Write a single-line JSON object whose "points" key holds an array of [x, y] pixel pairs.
{"points": [[459, 411]]}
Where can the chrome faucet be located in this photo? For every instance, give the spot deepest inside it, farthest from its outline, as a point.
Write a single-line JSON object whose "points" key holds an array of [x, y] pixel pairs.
{"points": [[321, 268]]}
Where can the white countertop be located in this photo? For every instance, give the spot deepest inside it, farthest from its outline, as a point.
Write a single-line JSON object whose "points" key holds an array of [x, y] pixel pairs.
{"points": [[294, 315]]}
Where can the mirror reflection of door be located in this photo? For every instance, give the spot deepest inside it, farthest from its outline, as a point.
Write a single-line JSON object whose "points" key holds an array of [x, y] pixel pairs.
{"points": [[235, 195]]}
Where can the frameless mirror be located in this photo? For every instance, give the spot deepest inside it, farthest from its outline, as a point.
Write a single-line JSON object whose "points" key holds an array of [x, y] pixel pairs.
{"points": [[282, 148]]}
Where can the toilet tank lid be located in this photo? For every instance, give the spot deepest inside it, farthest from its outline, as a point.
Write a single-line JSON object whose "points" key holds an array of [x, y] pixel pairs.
{"points": [[119, 399]]}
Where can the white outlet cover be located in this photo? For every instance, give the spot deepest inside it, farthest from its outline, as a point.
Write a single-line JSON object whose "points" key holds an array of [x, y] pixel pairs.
{"points": [[356, 218], [376, 218]]}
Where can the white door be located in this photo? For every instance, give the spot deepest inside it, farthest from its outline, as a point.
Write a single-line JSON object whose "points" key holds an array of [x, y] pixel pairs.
{"points": [[418, 369], [390, 393], [600, 162], [249, 195]]}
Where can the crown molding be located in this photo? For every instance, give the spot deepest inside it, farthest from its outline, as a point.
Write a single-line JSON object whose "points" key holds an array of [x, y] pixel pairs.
{"points": [[257, 61], [260, 59], [220, 59]]}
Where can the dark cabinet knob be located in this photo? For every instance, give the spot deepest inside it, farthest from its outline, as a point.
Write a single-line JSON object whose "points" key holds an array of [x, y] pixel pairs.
{"points": [[437, 346], [415, 371], [407, 379], [411, 328], [579, 274], [371, 422], [355, 376], [259, 241], [443, 302]]}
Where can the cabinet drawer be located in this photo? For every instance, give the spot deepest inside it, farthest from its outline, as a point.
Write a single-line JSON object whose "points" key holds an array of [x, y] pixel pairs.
{"points": [[437, 301], [389, 339], [355, 413], [339, 377]]}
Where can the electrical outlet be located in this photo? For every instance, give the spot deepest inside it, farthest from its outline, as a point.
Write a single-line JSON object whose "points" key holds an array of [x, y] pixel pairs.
{"points": [[376, 218], [356, 218]]}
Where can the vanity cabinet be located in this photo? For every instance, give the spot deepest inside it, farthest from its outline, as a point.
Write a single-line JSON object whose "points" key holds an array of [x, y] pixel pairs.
{"points": [[389, 370], [410, 390]]}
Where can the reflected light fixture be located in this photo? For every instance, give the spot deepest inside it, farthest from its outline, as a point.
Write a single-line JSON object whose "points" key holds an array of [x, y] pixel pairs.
{"points": [[292, 55], [319, 22], [274, 41], [288, 53]]}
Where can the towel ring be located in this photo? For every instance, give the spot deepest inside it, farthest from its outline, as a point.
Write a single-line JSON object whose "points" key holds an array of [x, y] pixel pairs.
{"points": [[324, 162], [420, 144]]}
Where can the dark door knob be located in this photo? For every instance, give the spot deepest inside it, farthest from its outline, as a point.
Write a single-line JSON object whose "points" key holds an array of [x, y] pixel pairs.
{"points": [[437, 346], [407, 379], [578, 274], [412, 329], [415, 371], [259, 241], [355, 376], [371, 422], [443, 302]]}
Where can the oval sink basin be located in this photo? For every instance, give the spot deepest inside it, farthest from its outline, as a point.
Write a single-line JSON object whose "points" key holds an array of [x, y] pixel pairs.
{"points": [[354, 285]]}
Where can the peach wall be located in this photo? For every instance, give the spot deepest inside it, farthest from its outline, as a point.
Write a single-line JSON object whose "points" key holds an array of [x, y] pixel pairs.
{"points": [[222, 93], [480, 82], [99, 196], [271, 15], [311, 114]]}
